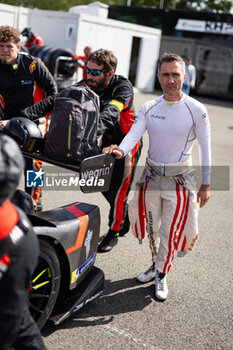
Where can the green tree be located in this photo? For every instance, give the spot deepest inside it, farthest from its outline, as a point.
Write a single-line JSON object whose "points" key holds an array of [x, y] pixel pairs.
{"points": [[198, 5], [58, 5], [220, 6]]}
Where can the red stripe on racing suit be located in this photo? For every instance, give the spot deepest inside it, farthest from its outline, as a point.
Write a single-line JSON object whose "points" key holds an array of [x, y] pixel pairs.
{"points": [[172, 243], [124, 190], [8, 218]]}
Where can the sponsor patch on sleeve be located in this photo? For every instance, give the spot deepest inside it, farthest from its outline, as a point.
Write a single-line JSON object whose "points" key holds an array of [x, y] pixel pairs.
{"points": [[33, 66], [118, 104]]}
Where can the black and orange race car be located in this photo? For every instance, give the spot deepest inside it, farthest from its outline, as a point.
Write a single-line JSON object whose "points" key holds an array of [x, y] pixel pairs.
{"points": [[65, 278]]}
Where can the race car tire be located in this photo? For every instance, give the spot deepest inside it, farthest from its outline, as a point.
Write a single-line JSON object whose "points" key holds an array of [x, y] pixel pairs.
{"points": [[49, 55], [45, 284], [34, 50]]}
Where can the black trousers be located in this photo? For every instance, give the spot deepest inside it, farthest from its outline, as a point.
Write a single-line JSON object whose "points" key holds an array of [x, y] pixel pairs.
{"points": [[18, 330]]}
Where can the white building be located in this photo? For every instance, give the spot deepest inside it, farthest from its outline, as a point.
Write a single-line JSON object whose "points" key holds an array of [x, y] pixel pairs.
{"points": [[136, 47]]}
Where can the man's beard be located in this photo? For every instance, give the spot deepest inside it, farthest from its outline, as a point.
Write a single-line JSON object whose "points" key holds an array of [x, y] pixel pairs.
{"points": [[4, 60], [97, 86], [7, 60]]}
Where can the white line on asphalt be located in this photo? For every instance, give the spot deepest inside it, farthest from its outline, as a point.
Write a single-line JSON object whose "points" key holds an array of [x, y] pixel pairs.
{"points": [[130, 336]]}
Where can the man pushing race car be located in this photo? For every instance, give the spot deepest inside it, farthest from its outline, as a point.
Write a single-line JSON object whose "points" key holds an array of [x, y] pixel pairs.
{"points": [[115, 120]]}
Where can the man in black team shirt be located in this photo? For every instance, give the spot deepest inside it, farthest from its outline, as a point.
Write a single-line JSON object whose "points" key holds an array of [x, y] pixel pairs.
{"points": [[116, 118], [24, 80]]}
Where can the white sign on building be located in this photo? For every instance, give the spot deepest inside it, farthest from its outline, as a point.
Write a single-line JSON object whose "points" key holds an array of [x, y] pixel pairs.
{"points": [[193, 25]]}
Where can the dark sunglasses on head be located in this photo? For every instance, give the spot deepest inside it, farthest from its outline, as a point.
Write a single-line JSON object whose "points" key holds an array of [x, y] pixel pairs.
{"points": [[94, 72]]}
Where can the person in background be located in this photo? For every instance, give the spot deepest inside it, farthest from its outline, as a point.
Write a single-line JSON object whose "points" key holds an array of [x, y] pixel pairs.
{"points": [[168, 196], [32, 38], [24, 80], [82, 60], [190, 76], [19, 249]]}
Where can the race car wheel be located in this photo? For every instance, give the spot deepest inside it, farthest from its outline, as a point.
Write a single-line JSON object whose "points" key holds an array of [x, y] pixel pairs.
{"points": [[45, 284]]}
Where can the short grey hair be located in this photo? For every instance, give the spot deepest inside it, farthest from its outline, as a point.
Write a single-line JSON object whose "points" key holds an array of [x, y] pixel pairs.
{"points": [[170, 57]]}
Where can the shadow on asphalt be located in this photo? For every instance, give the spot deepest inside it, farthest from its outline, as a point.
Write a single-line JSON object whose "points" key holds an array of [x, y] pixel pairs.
{"points": [[119, 297]]}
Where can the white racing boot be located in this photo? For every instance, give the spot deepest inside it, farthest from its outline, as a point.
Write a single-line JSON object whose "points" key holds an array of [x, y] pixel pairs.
{"points": [[148, 275], [161, 289]]}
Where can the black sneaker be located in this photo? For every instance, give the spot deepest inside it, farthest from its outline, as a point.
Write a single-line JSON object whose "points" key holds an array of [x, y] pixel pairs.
{"points": [[126, 227], [39, 208], [109, 241]]}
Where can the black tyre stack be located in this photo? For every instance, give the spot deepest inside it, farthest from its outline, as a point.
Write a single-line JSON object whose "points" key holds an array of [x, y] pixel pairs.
{"points": [[49, 55]]}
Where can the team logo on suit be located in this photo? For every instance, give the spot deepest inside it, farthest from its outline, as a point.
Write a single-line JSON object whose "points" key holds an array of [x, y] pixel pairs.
{"points": [[33, 66]]}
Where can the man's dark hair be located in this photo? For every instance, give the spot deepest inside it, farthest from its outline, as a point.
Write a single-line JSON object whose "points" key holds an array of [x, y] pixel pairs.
{"points": [[105, 58], [8, 33], [27, 32], [170, 57]]}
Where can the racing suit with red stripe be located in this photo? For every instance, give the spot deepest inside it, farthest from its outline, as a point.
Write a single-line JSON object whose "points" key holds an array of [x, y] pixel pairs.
{"points": [[167, 192], [22, 84], [116, 118], [19, 251]]}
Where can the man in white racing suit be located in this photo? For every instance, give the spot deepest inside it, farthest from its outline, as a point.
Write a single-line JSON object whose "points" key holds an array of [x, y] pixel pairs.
{"points": [[167, 193]]}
